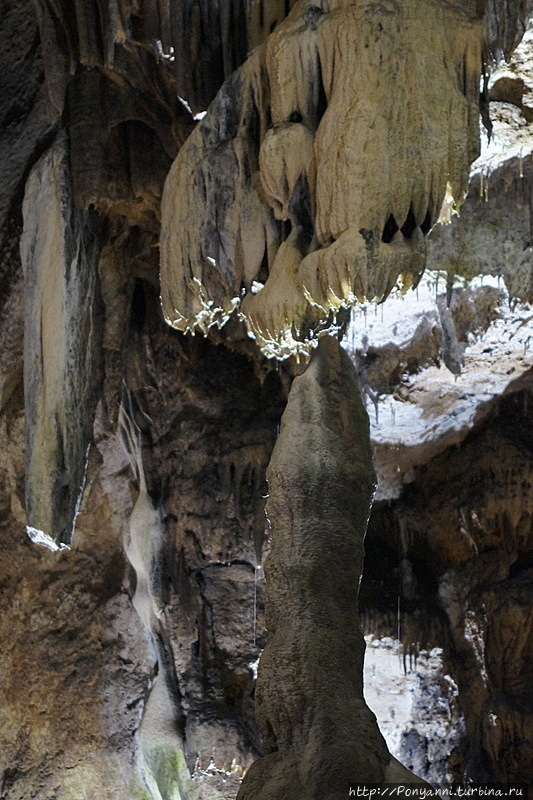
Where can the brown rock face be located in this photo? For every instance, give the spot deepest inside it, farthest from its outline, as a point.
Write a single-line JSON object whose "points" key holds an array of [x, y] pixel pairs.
{"points": [[128, 658]]}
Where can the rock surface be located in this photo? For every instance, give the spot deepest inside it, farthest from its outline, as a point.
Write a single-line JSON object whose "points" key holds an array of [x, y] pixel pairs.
{"points": [[59, 249], [333, 168], [318, 733], [118, 666]]}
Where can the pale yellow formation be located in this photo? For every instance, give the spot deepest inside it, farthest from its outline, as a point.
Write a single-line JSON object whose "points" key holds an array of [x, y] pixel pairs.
{"points": [[355, 165], [216, 227], [389, 141], [354, 269], [281, 299], [286, 155]]}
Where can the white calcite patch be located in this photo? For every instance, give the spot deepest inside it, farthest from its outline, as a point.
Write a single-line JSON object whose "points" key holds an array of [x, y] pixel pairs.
{"points": [[388, 689], [44, 540], [411, 695], [437, 409]]}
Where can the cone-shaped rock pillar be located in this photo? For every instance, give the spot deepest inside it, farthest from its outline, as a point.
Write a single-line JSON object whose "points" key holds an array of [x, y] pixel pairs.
{"points": [[319, 735]]}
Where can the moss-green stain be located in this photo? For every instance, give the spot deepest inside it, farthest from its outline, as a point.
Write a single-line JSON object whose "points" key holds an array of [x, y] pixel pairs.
{"points": [[167, 768]]}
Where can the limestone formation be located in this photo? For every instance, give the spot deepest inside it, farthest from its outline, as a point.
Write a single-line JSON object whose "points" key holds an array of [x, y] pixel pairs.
{"points": [[62, 335], [128, 659], [319, 735], [355, 165]]}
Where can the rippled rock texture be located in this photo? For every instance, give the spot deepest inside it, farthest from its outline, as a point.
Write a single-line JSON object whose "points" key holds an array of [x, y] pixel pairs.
{"points": [[135, 455], [309, 173]]}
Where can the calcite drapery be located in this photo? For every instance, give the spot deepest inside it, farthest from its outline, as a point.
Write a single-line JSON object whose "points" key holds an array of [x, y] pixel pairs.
{"points": [[494, 234], [319, 734], [355, 167], [59, 250]]}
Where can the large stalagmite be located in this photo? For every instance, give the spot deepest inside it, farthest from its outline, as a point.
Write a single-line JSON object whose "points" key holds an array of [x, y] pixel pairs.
{"points": [[319, 735]]}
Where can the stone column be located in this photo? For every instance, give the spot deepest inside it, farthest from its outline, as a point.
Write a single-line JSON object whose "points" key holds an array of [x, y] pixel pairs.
{"points": [[318, 732]]}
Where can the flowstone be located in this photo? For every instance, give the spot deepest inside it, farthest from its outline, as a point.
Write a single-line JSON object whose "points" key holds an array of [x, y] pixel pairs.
{"points": [[319, 168]]}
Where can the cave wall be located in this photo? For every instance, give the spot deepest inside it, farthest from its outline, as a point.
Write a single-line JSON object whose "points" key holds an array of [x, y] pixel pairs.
{"points": [[91, 124], [77, 662], [79, 643], [448, 566], [480, 555]]}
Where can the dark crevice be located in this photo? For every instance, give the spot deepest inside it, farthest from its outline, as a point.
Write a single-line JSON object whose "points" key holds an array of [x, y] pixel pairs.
{"points": [[262, 275], [427, 223], [138, 307], [286, 228], [321, 98], [300, 210], [389, 230], [409, 226], [254, 126]]}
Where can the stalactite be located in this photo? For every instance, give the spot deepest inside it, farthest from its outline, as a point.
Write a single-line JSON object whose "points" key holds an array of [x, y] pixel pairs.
{"points": [[505, 22], [339, 165], [208, 43]]}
